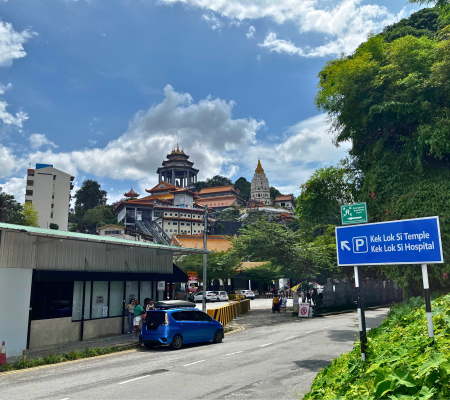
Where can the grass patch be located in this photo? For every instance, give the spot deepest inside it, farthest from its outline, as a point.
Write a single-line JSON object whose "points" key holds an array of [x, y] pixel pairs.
{"points": [[402, 363], [23, 362], [227, 329]]}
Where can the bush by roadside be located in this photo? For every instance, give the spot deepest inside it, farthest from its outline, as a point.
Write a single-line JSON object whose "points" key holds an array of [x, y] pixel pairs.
{"points": [[402, 363]]}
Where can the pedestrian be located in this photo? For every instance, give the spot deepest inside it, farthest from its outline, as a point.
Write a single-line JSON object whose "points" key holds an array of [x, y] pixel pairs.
{"points": [[308, 296], [138, 313], [315, 297], [321, 298], [130, 308], [148, 304], [283, 304]]}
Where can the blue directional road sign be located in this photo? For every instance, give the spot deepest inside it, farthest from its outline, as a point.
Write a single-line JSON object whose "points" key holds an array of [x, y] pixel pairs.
{"points": [[410, 241]]}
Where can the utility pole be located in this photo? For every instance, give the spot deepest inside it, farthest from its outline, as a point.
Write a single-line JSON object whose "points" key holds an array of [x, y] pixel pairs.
{"points": [[205, 228]]}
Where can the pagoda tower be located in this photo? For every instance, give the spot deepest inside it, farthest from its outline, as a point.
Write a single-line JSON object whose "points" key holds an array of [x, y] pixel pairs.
{"points": [[260, 189], [131, 194], [178, 170]]}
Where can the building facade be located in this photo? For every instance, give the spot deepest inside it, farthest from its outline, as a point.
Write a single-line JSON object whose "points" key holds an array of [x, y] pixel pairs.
{"points": [[285, 201], [49, 190], [71, 286], [260, 189], [219, 197]]}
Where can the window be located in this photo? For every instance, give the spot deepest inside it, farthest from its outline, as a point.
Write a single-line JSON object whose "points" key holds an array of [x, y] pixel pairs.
{"points": [[30, 183], [171, 230], [170, 214], [52, 205], [188, 223], [176, 215], [51, 300], [131, 291], [100, 299], [182, 223], [54, 177], [165, 214], [201, 316], [51, 215], [53, 196], [146, 291], [28, 201], [29, 193], [187, 315], [168, 223], [116, 298]]}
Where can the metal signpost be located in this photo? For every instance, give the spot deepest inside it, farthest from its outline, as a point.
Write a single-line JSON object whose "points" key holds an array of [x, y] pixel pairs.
{"points": [[412, 241], [205, 231], [354, 214]]}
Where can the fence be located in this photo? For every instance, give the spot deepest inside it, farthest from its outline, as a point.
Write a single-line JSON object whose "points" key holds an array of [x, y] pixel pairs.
{"points": [[227, 313]]}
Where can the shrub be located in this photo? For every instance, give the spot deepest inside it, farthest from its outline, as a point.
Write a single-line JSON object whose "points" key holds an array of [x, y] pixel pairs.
{"points": [[401, 362]]}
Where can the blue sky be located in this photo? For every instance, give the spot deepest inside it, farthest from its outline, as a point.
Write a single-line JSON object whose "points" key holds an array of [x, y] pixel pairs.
{"points": [[104, 89]]}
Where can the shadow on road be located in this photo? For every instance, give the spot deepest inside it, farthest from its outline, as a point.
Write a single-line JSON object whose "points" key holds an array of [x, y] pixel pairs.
{"points": [[312, 365]]}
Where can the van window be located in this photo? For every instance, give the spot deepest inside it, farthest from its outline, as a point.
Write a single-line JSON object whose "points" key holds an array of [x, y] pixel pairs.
{"points": [[155, 319], [201, 316], [188, 316]]}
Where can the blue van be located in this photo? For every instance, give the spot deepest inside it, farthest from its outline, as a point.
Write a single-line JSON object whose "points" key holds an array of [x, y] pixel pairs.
{"points": [[179, 326]]}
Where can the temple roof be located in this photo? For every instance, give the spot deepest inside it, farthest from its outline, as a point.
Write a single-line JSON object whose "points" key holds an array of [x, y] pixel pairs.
{"points": [[259, 169], [287, 197], [214, 242], [217, 189], [161, 186], [131, 193]]}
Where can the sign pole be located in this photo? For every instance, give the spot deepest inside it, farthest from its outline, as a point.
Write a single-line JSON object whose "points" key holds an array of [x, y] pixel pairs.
{"points": [[426, 288], [361, 316], [204, 259]]}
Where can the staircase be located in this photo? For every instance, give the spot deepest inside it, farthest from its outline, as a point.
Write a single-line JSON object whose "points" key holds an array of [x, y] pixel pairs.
{"points": [[152, 228]]}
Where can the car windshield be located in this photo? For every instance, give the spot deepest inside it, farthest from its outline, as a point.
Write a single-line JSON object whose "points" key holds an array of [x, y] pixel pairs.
{"points": [[155, 318]]}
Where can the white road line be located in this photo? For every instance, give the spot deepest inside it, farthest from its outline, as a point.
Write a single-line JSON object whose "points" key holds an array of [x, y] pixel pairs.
{"points": [[267, 344], [237, 352], [290, 337], [194, 363], [65, 398], [326, 327], [308, 332], [135, 379], [343, 323]]}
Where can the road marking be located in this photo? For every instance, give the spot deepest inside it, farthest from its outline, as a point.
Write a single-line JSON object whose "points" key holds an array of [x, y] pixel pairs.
{"points": [[135, 379], [237, 352], [267, 344], [326, 327], [343, 323], [65, 398], [308, 332], [194, 363], [290, 337]]}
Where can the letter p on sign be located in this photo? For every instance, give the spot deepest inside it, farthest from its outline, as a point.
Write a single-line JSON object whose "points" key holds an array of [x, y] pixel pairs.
{"points": [[360, 244]]}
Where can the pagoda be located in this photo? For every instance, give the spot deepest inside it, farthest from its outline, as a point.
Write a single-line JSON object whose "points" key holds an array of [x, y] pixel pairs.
{"points": [[131, 194], [178, 170], [260, 189]]}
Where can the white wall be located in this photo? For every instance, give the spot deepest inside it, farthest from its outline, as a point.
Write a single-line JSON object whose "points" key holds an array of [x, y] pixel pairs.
{"points": [[15, 288]]}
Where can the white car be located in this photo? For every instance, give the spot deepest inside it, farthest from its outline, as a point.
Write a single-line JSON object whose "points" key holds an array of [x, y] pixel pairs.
{"points": [[248, 294], [210, 296], [222, 296]]}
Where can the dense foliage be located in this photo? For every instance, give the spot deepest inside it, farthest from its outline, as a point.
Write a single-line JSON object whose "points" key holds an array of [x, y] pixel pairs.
{"points": [[30, 215], [89, 196], [11, 211], [391, 100], [215, 181], [401, 362], [244, 187]]}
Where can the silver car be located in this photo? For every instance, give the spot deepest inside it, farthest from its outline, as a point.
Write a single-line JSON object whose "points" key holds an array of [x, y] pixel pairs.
{"points": [[221, 295], [248, 294], [210, 296]]}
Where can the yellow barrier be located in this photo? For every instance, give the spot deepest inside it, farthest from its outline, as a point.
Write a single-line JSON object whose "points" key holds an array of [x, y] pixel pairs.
{"points": [[227, 313]]}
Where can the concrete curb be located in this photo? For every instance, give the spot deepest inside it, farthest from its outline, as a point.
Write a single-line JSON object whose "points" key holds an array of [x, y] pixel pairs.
{"points": [[350, 311]]}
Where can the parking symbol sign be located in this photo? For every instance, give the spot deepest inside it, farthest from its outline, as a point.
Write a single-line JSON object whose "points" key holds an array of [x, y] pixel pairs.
{"points": [[360, 244]]}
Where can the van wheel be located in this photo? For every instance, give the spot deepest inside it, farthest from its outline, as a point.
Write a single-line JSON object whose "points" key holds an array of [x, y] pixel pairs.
{"points": [[149, 346], [177, 342], [218, 336]]}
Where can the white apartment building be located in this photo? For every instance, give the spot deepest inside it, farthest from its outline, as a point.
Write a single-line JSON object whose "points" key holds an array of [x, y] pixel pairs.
{"points": [[49, 189]]}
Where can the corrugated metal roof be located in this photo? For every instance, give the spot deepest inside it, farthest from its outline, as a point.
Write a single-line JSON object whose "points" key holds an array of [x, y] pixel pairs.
{"points": [[94, 238]]}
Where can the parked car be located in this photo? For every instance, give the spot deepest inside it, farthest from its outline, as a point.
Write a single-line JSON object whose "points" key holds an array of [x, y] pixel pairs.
{"points": [[221, 295], [232, 295], [178, 326], [210, 296], [249, 294]]}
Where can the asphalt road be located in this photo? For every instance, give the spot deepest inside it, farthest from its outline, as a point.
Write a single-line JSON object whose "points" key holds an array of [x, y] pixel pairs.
{"points": [[274, 356]]}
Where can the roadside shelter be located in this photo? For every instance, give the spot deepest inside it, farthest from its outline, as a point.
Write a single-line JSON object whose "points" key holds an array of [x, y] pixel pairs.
{"points": [[58, 287]]}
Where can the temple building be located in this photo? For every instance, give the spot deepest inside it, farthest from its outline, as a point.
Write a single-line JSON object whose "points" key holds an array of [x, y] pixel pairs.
{"points": [[219, 197], [178, 170], [131, 194], [260, 189], [285, 201]]}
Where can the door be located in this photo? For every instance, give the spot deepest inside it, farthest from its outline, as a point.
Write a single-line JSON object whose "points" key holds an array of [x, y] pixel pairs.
{"points": [[188, 326], [204, 326]]}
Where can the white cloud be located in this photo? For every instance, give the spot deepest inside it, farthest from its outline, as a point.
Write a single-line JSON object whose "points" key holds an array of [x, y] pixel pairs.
{"points": [[4, 88], [212, 21], [11, 43], [251, 32], [37, 140], [92, 142], [344, 25], [10, 119], [258, 57], [215, 141], [16, 187]]}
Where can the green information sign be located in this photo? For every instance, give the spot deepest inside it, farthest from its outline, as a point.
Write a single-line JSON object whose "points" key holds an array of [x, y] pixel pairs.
{"points": [[354, 214]]}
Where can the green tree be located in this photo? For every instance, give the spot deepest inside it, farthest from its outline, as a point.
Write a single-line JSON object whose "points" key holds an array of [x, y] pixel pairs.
{"points": [[98, 216], [54, 226], [11, 212], [88, 196], [228, 215], [274, 192], [215, 181], [31, 215], [244, 187], [390, 100], [321, 196]]}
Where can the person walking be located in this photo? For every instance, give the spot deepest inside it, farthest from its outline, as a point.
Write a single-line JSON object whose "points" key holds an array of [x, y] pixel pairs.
{"points": [[138, 313], [308, 296], [130, 308], [315, 297], [283, 304]]}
